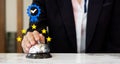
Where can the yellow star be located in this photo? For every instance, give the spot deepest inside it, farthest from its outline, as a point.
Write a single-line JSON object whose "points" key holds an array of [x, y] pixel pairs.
{"points": [[34, 26], [23, 31], [19, 39], [44, 31], [48, 39]]}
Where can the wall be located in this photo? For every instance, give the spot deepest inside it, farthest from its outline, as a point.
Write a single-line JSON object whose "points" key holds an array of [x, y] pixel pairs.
{"points": [[11, 16], [25, 17]]}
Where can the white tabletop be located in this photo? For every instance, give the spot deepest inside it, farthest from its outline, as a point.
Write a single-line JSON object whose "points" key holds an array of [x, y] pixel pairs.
{"points": [[15, 58]]}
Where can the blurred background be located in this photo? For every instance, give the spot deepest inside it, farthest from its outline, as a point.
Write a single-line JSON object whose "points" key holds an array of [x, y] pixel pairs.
{"points": [[13, 18]]}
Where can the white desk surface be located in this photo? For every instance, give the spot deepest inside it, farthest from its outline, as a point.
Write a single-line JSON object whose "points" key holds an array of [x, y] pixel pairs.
{"points": [[61, 58]]}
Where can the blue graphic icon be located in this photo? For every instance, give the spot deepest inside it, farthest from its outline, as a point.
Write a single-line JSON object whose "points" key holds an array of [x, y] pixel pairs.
{"points": [[31, 11]]}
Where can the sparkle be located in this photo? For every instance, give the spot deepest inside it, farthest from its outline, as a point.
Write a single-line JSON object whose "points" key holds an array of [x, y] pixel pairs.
{"points": [[48, 39], [19, 39], [44, 31], [34, 26], [23, 31]]}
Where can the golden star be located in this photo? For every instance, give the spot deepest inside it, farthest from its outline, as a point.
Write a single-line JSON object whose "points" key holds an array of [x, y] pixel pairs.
{"points": [[19, 39], [34, 26], [44, 31], [48, 39], [23, 31]]}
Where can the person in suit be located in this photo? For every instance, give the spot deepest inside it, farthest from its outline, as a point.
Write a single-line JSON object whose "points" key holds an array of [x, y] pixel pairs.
{"points": [[90, 26]]}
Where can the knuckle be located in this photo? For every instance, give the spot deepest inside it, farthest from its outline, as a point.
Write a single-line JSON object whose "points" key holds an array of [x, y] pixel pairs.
{"points": [[35, 31], [29, 37], [29, 34]]}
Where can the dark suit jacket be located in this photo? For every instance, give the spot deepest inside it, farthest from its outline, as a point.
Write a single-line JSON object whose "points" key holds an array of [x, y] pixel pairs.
{"points": [[103, 25]]}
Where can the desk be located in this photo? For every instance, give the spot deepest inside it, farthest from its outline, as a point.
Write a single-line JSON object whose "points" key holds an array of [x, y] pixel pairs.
{"points": [[61, 58]]}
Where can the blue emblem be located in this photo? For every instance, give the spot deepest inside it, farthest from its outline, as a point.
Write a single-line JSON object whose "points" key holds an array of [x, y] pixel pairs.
{"points": [[32, 13]]}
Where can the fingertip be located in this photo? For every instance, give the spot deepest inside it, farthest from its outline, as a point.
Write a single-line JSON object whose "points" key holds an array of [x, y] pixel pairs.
{"points": [[32, 43], [28, 45], [27, 50]]}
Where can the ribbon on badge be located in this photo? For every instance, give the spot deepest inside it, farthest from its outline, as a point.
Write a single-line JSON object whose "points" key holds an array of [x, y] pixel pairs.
{"points": [[33, 18]]}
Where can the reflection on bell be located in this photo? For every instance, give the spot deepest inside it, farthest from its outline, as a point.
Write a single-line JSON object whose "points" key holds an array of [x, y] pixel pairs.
{"points": [[39, 51]]}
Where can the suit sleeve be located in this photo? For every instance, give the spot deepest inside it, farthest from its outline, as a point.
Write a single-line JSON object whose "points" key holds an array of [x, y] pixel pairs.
{"points": [[42, 19], [114, 44]]}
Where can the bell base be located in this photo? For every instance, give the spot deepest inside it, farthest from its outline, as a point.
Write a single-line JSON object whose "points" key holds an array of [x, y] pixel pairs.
{"points": [[38, 55]]}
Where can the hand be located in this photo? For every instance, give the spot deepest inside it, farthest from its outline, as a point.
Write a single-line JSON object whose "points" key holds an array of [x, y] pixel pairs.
{"points": [[30, 39]]}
